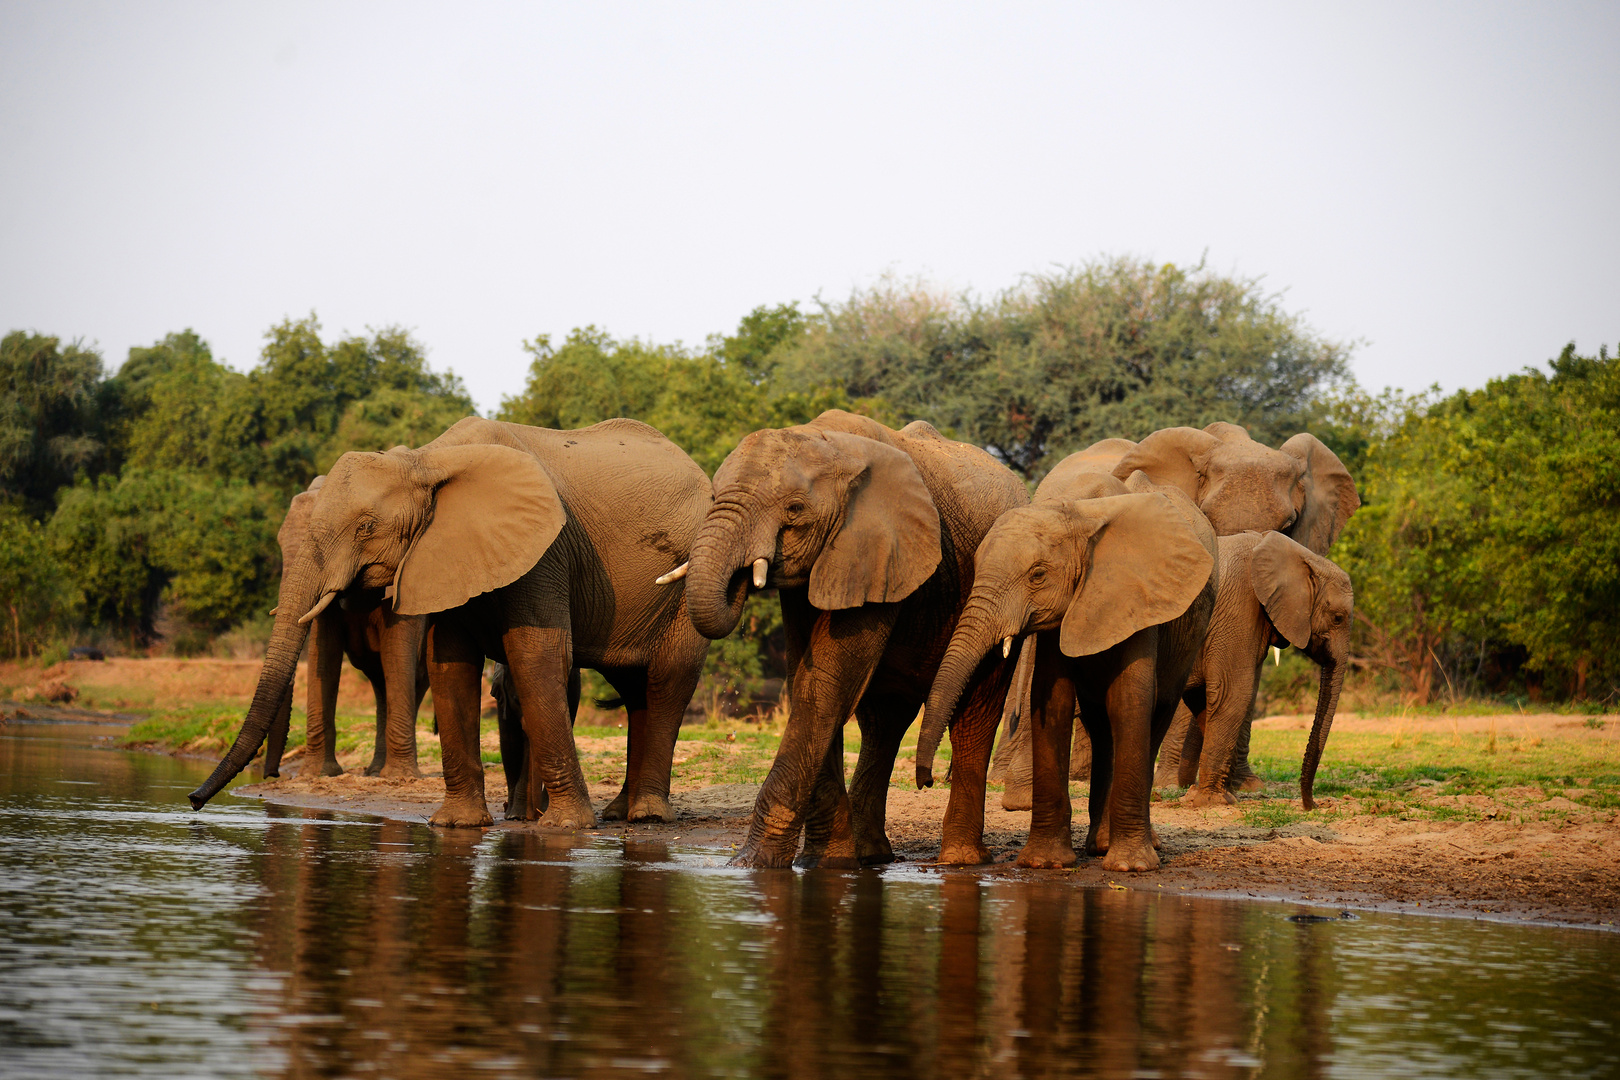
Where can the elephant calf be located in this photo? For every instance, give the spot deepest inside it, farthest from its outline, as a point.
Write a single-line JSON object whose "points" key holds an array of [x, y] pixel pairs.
{"points": [[1273, 591]]}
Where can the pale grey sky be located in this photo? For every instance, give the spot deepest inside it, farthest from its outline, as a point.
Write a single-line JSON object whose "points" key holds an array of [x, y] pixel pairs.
{"points": [[1439, 181]]}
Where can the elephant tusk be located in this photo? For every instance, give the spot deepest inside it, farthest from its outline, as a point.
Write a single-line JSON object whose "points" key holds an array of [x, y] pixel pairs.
{"points": [[1276, 656], [1006, 646], [274, 610], [320, 606], [674, 575], [761, 566]]}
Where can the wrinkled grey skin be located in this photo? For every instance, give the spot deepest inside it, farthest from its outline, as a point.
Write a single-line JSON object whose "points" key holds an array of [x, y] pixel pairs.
{"points": [[534, 548], [1274, 592], [386, 648], [1240, 485], [868, 535]]}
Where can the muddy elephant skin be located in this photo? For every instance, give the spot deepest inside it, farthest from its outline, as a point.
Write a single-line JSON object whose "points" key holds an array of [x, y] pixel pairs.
{"points": [[531, 547], [868, 535]]}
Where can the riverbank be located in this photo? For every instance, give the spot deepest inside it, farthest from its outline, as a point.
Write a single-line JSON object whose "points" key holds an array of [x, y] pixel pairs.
{"points": [[1505, 815]]}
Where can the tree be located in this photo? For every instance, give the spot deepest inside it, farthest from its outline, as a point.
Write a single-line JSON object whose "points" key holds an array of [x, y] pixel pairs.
{"points": [[50, 416], [29, 578], [1111, 348]]}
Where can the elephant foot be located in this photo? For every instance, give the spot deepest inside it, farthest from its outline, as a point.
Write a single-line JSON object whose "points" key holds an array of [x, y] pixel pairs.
{"points": [[619, 808], [1133, 856], [957, 853], [757, 856], [518, 810], [874, 851], [1201, 797], [568, 813], [400, 770], [378, 764], [1048, 853], [331, 768], [1167, 775], [652, 808], [1251, 782], [462, 813], [1017, 797]]}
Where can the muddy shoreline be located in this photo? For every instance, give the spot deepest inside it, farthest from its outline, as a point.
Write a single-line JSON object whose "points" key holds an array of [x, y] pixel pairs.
{"points": [[1563, 872]]}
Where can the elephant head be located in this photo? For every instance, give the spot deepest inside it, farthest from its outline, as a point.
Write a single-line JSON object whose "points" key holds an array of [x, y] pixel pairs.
{"points": [[1302, 490], [1310, 603], [437, 525], [295, 526], [1096, 570], [847, 515]]}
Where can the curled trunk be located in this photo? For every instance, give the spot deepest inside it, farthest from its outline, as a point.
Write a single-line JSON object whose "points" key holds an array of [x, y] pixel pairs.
{"points": [[976, 633], [300, 588], [716, 585], [1327, 703]]}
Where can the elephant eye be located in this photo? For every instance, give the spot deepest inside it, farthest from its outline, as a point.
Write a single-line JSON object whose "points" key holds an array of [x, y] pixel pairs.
{"points": [[795, 507], [1037, 576]]}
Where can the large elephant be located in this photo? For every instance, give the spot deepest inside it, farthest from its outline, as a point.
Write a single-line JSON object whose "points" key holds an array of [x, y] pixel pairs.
{"points": [[535, 548], [1302, 490], [385, 647], [1115, 589], [1273, 591], [868, 535]]}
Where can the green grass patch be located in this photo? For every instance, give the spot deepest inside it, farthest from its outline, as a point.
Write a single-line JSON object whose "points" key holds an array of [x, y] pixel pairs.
{"points": [[1269, 815]]}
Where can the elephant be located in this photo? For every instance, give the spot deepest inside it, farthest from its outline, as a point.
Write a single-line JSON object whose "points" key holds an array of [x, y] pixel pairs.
{"points": [[1302, 490], [531, 547], [1114, 589], [385, 647], [1273, 591], [868, 535]]}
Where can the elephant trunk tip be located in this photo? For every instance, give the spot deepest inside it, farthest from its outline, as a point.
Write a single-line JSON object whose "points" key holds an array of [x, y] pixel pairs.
{"points": [[925, 776], [199, 799]]}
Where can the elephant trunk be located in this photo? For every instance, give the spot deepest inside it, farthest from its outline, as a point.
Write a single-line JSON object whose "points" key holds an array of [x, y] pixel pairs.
{"points": [[980, 628], [1327, 702], [716, 586], [300, 589]]}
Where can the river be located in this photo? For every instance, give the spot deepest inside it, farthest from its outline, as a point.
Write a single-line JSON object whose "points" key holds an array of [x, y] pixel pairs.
{"points": [[140, 938]]}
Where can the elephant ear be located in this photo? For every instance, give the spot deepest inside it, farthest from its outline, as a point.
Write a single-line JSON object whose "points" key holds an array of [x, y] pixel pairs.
{"points": [[1330, 493], [888, 543], [295, 526], [1146, 567], [1226, 432], [1280, 571], [1171, 456], [495, 512]]}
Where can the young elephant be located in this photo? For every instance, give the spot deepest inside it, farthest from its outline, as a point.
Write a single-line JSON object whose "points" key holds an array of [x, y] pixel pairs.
{"points": [[1273, 591], [1117, 591], [385, 647], [532, 547], [868, 534]]}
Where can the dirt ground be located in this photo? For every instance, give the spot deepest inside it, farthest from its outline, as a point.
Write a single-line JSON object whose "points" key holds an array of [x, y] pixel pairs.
{"points": [[1530, 858]]}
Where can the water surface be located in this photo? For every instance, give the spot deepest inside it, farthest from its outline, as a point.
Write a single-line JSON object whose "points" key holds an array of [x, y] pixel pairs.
{"points": [[140, 938]]}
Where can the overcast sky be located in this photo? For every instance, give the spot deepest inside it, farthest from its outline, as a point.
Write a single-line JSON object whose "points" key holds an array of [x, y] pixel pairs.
{"points": [[1438, 182]]}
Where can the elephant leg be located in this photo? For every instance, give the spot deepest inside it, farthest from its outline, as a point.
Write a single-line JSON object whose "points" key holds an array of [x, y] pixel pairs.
{"points": [[371, 668], [1080, 754], [631, 686], [401, 648], [456, 673], [1192, 744], [972, 729], [1013, 756], [671, 681], [1133, 717], [323, 668], [1168, 770], [514, 753], [539, 661], [1094, 715], [829, 838], [1242, 776], [842, 651], [1225, 709], [1050, 844], [883, 723], [276, 742]]}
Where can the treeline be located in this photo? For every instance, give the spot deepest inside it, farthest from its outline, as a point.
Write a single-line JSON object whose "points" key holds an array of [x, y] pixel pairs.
{"points": [[140, 508]]}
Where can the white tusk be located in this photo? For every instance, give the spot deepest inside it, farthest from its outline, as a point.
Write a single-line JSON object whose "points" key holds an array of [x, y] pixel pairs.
{"points": [[1276, 656], [761, 566], [675, 574], [274, 610], [1006, 647], [320, 606]]}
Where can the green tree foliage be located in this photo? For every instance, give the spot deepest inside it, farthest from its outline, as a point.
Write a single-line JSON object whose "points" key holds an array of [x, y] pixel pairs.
{"points": [[30, 583], [147, 538], [1112, 348], [51, 402], [1491, 529]]}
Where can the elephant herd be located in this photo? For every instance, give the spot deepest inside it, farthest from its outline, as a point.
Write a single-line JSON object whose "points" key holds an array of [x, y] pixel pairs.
{"points": [[914, 572]]}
